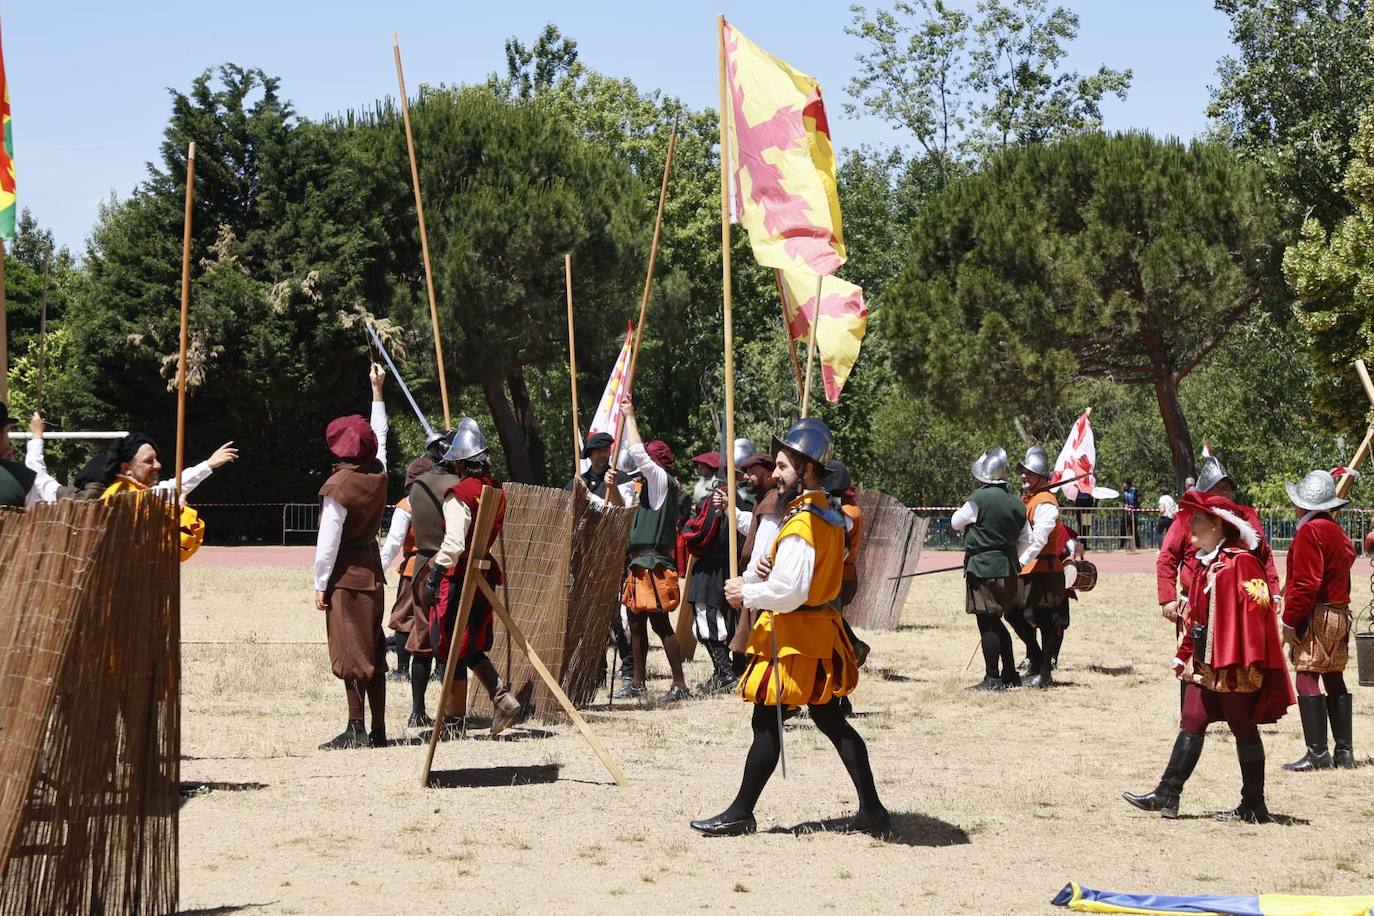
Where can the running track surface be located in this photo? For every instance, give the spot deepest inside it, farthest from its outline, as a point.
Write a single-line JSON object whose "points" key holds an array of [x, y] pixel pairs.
{"points": [[1142, 561]]}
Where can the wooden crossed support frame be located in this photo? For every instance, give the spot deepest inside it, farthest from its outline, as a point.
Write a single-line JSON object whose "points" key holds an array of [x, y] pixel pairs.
{"points": [[473, 579], [1361, 453]]}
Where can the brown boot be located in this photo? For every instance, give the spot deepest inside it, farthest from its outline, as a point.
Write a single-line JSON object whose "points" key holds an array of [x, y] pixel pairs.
{"points": [[505, 710]]}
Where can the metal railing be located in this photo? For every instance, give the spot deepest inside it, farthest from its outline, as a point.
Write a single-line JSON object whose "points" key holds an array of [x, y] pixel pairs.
{"points": [[299, 518], [1118, 528]]}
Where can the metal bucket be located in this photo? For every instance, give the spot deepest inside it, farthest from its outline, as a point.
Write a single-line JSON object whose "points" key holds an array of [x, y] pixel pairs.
{"points": [[1364, 657]]}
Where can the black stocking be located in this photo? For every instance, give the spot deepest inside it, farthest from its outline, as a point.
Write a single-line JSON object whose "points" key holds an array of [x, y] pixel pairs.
{"points": [[996, 644], [1023, 629], [853, 752], [420, 666], [760, 763], [1053, 636]]}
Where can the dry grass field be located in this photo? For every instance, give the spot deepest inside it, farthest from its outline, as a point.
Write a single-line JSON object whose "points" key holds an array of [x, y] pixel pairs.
{"points": [[998, 800]]}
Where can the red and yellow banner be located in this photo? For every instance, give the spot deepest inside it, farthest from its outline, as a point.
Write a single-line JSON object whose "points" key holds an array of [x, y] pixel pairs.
{"points": [[783, 161], [7, 198], [843, 322]]}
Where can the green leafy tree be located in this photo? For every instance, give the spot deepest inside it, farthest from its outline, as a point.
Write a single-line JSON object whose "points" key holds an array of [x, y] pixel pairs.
{"points": [[1117, 257], [962, 85], [1333, 276], [1291, 96]]}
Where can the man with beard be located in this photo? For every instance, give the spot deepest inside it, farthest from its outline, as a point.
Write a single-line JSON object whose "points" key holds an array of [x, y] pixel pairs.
{"points": [[597, 451], [1040, 600], [708, 539], [760, 528], [798, 653]]}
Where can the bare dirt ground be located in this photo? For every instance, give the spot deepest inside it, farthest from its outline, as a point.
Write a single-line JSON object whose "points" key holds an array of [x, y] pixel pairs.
{"points": [[998, 800]]}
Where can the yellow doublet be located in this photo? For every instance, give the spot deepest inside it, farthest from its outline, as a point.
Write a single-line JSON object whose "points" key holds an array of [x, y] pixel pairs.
{"points": [[191, 530], [815, 658]]}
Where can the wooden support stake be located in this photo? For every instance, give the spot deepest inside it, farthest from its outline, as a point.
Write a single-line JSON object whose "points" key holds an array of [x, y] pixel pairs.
{"points": [[185, 313], [424, 235], [686, 635], [552, 683], [811, 346], [1361, 453], [572, 368], [43, 334]]}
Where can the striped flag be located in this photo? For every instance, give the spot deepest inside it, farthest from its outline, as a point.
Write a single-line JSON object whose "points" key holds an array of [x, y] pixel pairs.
{"points": [[1079, 456], [6, 156]]}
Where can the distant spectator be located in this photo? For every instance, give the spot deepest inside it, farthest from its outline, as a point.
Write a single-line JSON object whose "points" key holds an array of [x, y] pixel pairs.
{"points": [[1130, 497], [1167, 510]]}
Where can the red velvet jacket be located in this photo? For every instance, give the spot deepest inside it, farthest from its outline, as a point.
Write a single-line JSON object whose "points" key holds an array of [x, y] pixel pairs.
{"points": [[1177, 558], [1239, 616], [1319, 563]]}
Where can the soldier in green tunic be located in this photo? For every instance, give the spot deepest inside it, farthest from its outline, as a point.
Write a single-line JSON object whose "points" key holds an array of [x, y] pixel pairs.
{"points": [[994, 525]]}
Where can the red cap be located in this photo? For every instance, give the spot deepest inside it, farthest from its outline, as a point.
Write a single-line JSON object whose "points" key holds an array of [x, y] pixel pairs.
{"points": [[710, 459], [351, 439]]}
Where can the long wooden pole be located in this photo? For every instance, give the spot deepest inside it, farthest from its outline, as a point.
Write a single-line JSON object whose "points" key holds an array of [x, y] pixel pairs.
{"points": [[648, 288], [572, 366], [787, 332], [4, 333], [728, 317], [811, 347], [185, 312], [43, 334], [1361, 453], [424, 235]]}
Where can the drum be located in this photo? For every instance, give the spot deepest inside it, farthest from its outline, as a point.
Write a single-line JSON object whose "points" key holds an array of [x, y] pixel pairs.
{"points": [[1080, 575]]}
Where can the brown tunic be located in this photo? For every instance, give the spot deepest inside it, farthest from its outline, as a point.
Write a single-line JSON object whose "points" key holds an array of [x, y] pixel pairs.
{"points": [[426, 499], [356, 594]]}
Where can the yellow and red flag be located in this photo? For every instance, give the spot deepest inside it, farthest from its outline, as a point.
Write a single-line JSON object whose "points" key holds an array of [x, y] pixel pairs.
{"points": [[6, 157], [843, 321], [783, 161]]}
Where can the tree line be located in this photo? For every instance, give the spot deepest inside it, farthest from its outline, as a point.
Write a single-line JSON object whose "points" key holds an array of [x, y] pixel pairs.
{"points": [[1019, 263]]}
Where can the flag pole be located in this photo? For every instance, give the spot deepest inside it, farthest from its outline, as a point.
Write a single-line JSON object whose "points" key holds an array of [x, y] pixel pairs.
{"points": [[787, 332], [811, 346], [43, 334], [424, 235], [728, 316], [185, 313], [648, 288], [572, 366]]}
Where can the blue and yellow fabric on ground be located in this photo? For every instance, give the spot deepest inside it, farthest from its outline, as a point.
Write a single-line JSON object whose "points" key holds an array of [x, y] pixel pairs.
{"points": [[1087, 900]]}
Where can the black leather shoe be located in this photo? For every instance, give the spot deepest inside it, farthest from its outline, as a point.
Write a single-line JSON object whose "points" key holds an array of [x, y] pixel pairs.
{"points": [[989, 683], [1040, 681], [726, 824], [1247, 813], [398, 675], [1012, 680], [419, 720], [874, 823], [1166, 805]]}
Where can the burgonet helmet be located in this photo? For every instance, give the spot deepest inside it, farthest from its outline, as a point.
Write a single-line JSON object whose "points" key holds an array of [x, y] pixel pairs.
{"points": [[809, 438], [991, 467], [1036, 461], [468, 441], [1316, 493], [836, 480], [1212, 473]]}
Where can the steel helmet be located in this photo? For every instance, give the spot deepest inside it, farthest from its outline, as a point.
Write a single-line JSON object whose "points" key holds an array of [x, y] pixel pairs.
{"points": [[1212, 473], [744, 449], [1316, 492], [991, 467], [836, 479], [468, 441], [809, 438], [1036, 461]]}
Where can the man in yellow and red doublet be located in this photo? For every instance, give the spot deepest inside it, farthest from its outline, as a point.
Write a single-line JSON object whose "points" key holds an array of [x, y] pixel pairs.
{"points": [[1316, 620], [1230, 659], [797, 651]]}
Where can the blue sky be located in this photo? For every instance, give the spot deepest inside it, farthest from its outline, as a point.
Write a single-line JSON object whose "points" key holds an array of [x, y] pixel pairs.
{"points": [[89, 78]]}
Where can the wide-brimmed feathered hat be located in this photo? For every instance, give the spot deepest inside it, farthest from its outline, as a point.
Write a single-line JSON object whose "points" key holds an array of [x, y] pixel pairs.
{"points": [[1222, 508]]}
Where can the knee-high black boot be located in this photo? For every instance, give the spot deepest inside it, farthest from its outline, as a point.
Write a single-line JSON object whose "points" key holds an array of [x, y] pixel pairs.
{"points": [[1252, 808], [1164, 799], [1341, 709], [1312, 709]]}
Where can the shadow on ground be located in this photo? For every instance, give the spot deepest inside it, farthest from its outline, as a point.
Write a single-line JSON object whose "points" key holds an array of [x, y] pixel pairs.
{"points": [[224, 910], [493, 777], [908, 829]]}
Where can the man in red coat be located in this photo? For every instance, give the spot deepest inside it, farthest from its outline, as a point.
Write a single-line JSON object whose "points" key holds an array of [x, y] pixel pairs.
{"points": [[1316, 620], [1230, 659]]}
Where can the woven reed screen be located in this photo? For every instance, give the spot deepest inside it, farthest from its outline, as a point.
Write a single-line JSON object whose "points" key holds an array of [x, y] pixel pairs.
{"points": [[89, 707], [891, 546]]}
